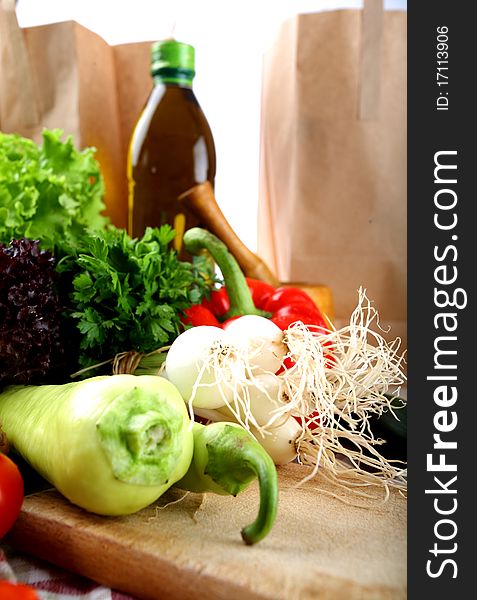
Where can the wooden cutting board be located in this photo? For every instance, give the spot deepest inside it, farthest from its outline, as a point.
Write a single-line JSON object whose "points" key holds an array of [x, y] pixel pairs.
{"points": [[188, 546]]}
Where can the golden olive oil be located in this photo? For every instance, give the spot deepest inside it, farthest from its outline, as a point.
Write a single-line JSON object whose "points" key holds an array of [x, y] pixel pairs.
{"points": [[171, 148]]}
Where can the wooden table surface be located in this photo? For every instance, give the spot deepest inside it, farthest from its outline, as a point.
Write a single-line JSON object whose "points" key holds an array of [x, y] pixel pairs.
{"points": [[188, 546]]}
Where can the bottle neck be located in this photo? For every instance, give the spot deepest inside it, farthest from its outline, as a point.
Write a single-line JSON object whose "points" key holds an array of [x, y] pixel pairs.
{"points": [[182, 78]]}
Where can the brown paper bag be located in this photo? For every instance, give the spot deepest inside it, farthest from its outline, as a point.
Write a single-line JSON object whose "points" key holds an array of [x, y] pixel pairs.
{"points": [[64, 76], [333, 159]]}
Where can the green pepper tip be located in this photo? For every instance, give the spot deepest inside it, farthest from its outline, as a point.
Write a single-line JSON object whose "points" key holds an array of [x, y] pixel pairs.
{"points": [[227, 458]]}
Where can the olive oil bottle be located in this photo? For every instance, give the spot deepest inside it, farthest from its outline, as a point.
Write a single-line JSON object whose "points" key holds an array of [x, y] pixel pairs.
{"points": [[171, 148]]}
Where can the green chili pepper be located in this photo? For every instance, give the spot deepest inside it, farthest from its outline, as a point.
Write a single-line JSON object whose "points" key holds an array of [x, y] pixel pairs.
{"points": [[226, 459]]}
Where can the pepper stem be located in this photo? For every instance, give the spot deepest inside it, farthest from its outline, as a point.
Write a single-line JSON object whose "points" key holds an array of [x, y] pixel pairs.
{"points": [[234, 459], [141, 437], [239, 294], [268, 487]]}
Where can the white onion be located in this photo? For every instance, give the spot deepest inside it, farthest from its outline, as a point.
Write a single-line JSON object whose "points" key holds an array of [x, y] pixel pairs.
{"points": [[193, 366], [266, 399], [280, 442], [261, 339], [267, 417]]}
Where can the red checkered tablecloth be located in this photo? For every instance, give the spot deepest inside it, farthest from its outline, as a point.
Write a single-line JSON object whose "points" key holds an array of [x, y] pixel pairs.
{"points": [[50, 582]]}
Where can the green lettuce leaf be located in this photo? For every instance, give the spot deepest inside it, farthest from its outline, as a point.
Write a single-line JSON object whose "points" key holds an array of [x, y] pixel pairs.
{"points": [[52, 192]]}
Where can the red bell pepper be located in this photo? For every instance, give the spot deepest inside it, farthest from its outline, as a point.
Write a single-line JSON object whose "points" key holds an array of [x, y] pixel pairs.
{"points": [[245, 296]]}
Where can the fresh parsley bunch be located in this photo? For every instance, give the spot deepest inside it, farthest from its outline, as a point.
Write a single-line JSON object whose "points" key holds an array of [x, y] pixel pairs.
{"points": [[129, 294]]}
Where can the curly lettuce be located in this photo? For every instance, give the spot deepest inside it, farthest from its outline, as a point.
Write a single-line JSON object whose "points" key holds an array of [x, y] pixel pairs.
{"points": [[52, 191]]}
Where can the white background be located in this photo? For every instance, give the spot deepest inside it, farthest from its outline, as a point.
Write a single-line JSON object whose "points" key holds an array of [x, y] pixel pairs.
{"points": [[229, 38]]}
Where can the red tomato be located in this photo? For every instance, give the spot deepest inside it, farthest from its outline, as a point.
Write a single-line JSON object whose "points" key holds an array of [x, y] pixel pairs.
{"points": [[11, 494], [16, 591]]}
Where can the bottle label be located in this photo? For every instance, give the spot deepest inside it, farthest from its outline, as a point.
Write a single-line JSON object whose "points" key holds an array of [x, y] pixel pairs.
{"points": [[131, 184], [179, 226]]}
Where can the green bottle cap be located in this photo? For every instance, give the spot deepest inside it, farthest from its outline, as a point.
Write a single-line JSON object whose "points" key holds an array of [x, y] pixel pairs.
{"points": [[173, 62]]}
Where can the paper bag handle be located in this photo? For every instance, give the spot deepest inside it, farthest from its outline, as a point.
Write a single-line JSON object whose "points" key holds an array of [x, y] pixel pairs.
{"points": [[371, 52], [18, 107]]}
